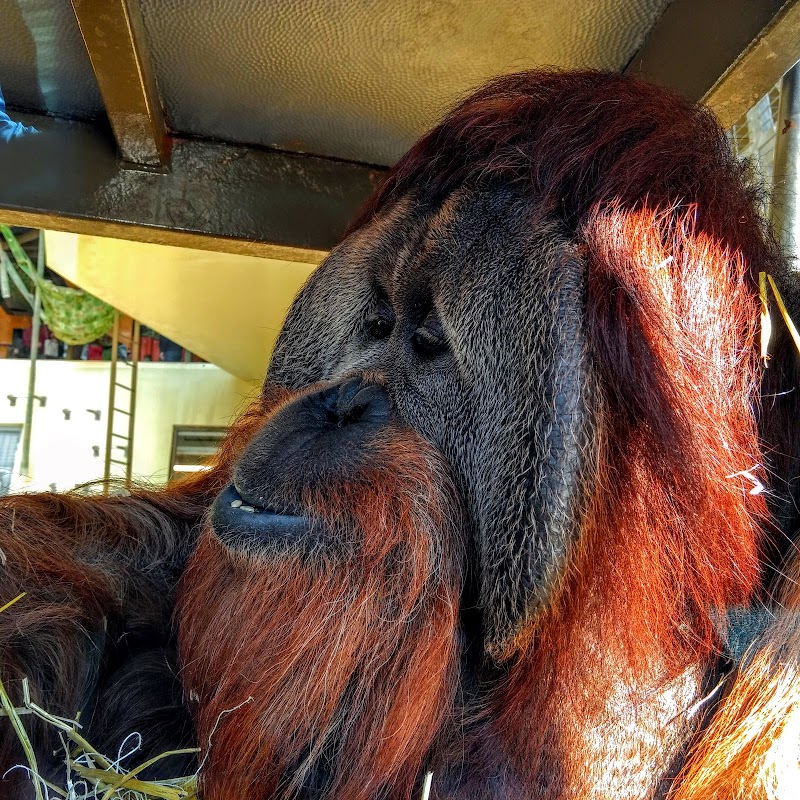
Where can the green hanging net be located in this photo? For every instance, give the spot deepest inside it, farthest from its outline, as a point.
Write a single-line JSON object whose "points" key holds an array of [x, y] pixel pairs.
{"points": [[74, 316]]}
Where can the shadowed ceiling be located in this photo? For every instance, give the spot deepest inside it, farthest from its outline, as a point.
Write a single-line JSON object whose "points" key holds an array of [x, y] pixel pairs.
{"points": [[348, 79]]}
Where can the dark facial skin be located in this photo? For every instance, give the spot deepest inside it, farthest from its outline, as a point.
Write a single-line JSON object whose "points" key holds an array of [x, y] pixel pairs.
{"points": [[429, 297], [319, 438]]}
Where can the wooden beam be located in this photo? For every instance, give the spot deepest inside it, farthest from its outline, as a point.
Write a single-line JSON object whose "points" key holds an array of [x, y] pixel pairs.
{"points": [[113, 33]]}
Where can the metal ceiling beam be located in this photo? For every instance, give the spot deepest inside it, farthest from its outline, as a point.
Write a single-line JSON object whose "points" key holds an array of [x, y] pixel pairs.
{"points": [[216, 196], [727, 55], [770, 55], [113, 33]]}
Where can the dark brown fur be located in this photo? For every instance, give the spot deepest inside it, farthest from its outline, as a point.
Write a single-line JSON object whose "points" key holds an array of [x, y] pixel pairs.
{"points": [[95, 625]]}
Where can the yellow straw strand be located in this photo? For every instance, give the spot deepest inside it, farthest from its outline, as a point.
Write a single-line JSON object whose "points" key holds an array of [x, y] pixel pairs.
{"points": [[19, 729], [786, 318], [766, 320], [11, 602], [127, 777]]}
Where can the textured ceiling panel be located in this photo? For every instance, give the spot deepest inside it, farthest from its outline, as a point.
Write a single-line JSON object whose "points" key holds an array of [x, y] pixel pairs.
{"points": [[361, 80], [43, 63]]}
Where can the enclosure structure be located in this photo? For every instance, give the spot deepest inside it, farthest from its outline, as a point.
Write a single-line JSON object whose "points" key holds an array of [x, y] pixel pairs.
{"points": [[260, 127]]}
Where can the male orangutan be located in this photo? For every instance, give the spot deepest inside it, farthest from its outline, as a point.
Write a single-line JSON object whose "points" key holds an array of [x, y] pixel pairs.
{"points": [[496, 516]]}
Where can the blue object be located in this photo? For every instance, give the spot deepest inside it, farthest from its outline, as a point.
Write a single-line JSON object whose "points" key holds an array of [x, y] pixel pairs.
{"points": [[8, 128]]}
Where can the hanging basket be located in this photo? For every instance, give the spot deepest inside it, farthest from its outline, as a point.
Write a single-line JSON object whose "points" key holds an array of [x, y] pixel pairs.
{"points": [[74, 316]]}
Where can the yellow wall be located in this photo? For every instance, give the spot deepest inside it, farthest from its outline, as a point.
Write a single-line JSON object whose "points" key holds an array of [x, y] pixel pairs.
{"points": [[226, 308], [168, 395]]}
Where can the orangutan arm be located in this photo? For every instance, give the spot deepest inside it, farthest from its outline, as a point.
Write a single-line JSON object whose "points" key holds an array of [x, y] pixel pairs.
{"points": [[99, 576], [93, 634]]}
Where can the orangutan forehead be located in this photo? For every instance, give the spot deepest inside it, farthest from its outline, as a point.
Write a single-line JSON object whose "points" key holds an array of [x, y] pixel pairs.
{"points": [[427, 242], [477, 257]]}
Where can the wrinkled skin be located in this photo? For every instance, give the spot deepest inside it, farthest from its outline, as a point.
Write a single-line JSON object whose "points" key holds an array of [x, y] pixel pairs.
{"points": [[429, 297]]}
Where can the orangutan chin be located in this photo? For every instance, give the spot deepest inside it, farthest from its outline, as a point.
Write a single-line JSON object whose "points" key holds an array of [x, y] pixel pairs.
{"points": [[339, 543]]}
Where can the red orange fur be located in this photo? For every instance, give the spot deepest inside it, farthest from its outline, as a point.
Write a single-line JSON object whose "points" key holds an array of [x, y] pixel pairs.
{"points": [[601, 695], [351, 656], [671, 535]]}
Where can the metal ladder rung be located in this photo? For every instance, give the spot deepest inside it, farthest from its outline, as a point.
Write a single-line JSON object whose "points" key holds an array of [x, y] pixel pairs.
{"points": [[113, 438]]}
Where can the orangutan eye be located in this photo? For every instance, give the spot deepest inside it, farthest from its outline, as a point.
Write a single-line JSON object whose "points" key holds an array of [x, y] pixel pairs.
{"points": [[429, 339], [381, 321]]}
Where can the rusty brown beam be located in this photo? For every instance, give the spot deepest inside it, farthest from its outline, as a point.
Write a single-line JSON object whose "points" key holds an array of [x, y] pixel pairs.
{"points": [[113, 33]]}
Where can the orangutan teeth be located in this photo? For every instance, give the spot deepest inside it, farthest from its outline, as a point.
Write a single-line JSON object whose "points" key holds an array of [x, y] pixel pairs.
{"points": [[239, 503]]}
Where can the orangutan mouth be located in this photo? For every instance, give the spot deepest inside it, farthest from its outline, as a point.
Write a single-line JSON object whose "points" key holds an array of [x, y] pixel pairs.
{"points": [[239, 523]]}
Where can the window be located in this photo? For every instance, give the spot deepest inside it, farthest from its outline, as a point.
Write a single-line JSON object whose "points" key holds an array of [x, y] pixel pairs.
{"points": [[9, 441], [753, 134], [191, 448]]}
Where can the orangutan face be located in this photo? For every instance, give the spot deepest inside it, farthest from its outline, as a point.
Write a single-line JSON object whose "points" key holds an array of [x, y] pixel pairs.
{"points": [[429, 297]]}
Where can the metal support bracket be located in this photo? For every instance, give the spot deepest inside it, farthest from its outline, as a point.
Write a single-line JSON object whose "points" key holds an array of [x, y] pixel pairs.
{"points": [[216, 196], [113, 33]]}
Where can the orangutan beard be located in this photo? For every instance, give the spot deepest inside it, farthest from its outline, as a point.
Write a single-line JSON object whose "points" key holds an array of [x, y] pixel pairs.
{"points": [[327, 667]]}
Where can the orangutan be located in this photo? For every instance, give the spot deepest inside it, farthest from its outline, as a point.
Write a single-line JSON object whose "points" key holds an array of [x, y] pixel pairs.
{"points": [[498, 514]]}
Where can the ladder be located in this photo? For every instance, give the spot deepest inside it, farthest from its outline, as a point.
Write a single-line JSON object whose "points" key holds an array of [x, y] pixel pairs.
{"points": [[121, 406]]}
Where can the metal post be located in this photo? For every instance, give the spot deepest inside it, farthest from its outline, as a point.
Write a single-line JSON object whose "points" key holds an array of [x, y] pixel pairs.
{"points": [[25, 459], [785, 212]]}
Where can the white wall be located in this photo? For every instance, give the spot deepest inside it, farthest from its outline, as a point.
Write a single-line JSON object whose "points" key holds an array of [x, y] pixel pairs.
{"points": [[168, 395]]}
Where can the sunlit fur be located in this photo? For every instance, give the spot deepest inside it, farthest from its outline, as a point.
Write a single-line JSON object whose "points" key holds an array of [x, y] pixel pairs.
{"points": [[604, 689], [750, 751], [332, 673], [670, 534]]}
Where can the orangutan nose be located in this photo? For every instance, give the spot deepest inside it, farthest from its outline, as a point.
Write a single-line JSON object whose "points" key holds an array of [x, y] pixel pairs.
{"points": [[326, 434], [355, 401]]}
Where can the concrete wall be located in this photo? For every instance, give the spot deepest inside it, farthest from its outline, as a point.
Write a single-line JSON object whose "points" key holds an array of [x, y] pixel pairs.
{"points": [[168, 395]]}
